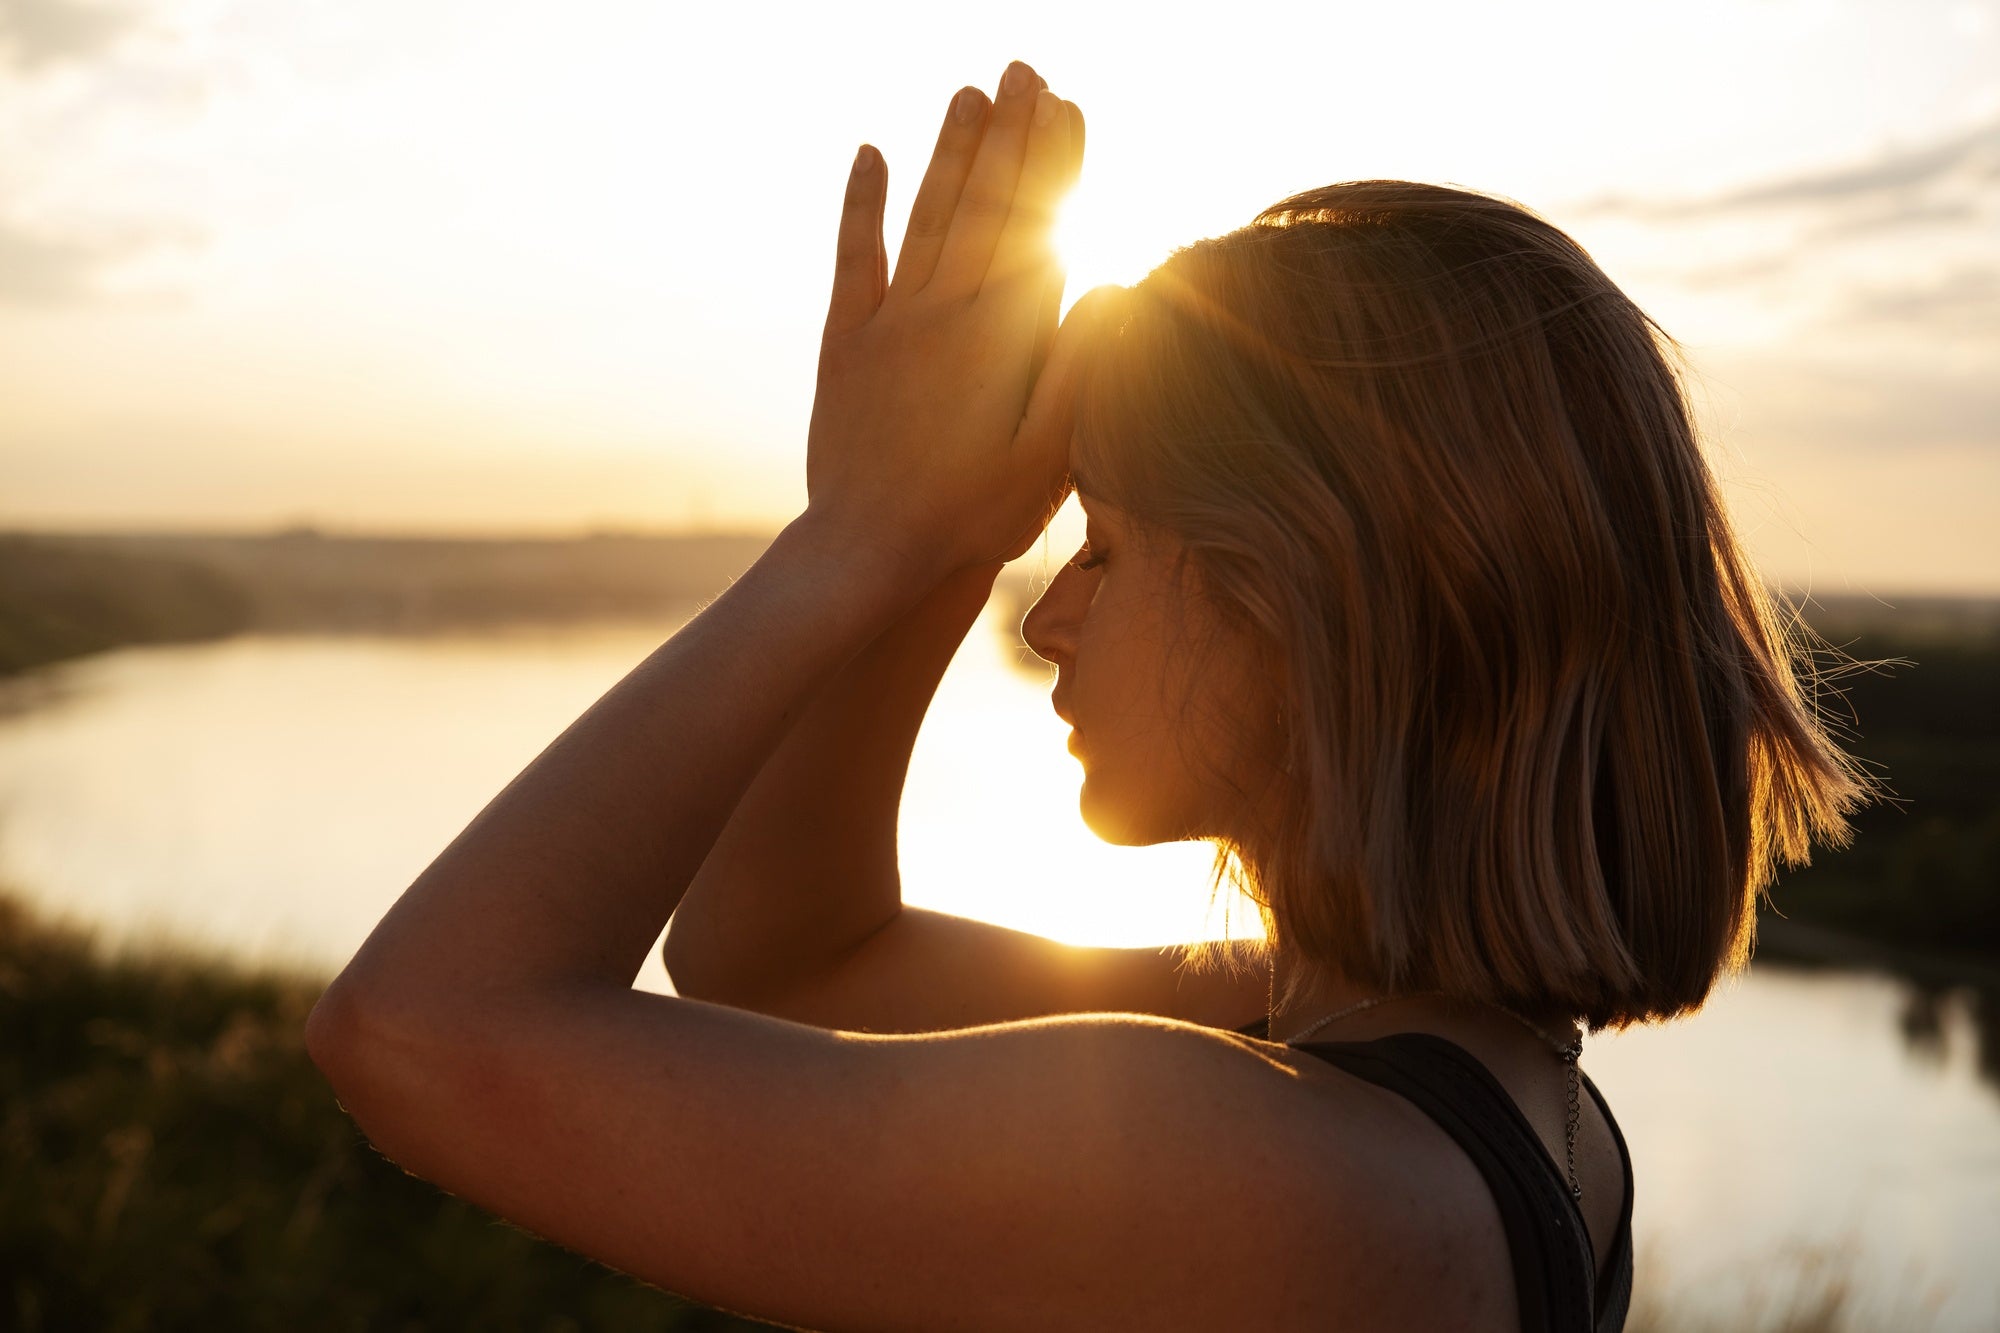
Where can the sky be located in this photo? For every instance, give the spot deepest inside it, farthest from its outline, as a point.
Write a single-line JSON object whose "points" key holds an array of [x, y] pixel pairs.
{"points": [[436, 266]]}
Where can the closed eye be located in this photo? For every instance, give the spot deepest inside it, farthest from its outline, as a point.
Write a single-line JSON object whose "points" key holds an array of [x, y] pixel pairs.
{"points": [[1084, 559]]}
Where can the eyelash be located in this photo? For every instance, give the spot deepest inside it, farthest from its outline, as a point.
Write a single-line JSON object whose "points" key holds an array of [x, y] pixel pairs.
{"points": [[1083, 560]]}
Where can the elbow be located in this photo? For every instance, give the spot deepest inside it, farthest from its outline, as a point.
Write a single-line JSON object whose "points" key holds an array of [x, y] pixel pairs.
{"points": [[682, 969], [694, 965], [333, 1036], [353, 1047], [385, 1067]]}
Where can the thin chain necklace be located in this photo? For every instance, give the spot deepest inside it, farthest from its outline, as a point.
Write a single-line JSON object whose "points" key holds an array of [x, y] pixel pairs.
{"points": [[1569, 1051]]}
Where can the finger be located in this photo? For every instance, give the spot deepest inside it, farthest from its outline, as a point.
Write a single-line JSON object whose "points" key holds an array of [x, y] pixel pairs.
{"points": [[937, 196], [988, 197], [1046, 319], [1052, 289], [1024, 251], [857, 263], [1075, 139]]}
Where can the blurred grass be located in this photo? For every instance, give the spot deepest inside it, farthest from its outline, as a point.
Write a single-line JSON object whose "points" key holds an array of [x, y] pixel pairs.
{"points": [[169, 1158], [1801, 1289]]}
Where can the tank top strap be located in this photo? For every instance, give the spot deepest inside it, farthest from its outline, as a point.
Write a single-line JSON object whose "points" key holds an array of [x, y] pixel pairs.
{"points": [[1555, 1270]]}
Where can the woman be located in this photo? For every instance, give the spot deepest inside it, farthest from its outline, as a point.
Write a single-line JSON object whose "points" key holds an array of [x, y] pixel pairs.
{"points": [[1405, 586]]}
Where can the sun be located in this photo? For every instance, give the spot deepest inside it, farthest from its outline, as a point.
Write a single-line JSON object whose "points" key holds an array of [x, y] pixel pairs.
{"points": [[1098, 246]]}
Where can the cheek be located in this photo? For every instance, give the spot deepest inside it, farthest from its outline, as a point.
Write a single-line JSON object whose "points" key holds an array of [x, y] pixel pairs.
{"points": [[1143, 779]]}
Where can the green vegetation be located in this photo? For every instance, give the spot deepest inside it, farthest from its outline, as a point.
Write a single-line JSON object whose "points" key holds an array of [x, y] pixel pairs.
{"points": [[63, 600], [169, 1158], [1923, 872]]}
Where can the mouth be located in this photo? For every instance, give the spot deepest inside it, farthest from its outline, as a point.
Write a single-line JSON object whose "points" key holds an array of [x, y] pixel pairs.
{"points": [[1062, 711]]}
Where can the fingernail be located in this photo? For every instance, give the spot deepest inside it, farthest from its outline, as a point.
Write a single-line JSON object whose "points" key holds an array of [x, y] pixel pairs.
{"points": [[1015, 79], [1047, 107], [965, 107], [862, 161]]}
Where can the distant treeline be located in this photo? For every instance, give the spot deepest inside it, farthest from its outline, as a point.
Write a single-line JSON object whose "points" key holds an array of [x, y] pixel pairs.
{"points": [[1924, 869], [66, 596]]}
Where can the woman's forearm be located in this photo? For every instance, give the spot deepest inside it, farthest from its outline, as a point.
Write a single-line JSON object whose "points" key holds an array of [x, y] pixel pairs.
{"points": [[806, 866], [568, 874]]}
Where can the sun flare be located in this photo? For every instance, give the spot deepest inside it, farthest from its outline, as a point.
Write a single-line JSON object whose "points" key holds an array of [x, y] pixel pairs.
{"points": [[1098, 246]]}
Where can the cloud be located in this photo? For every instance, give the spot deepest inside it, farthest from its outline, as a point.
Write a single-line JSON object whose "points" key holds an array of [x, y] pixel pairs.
{"points": [[1965, 301], [37, 270], [39, 33], [1885, 190], [1892, 252], [1971, 157], [1831, 402]]}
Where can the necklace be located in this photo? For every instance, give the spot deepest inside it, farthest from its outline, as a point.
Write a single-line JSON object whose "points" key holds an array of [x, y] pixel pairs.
{"points": [[1568, 1051]]}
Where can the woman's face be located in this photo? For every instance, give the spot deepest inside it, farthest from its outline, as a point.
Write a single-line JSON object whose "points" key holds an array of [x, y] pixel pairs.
{"points": [[1173, 715]]}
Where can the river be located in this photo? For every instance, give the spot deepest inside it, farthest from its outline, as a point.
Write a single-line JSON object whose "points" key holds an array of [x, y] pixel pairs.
{"points": [[267, 798]]}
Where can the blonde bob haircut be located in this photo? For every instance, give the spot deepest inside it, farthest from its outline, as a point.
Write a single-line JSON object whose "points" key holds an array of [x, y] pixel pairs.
{"points": [[1546, 738]]}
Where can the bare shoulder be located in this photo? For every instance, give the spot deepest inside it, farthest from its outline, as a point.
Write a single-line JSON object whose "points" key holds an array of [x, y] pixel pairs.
{"points": [[1102, 1170], [1401, 1214], [1248, 1184]]}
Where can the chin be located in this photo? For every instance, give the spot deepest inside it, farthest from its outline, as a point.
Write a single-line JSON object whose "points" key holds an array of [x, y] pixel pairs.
{"points": [[1126, 823]]}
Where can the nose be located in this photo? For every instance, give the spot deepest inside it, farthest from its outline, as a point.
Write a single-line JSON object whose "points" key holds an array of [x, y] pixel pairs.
{"points": [[1051, 625]]}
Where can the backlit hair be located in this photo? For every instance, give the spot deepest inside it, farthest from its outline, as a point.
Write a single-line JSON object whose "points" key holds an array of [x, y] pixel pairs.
{"points": [[1547, 740]]}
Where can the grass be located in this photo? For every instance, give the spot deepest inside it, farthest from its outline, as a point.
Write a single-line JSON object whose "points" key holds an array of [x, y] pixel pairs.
{"points": [[169, 1158], [1802, 1290]]}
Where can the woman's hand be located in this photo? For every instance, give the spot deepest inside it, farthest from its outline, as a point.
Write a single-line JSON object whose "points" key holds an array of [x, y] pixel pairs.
{"points": [[916, 448]]}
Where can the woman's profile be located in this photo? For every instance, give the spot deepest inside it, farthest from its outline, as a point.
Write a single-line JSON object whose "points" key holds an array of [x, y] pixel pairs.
{"points": [[1406, 586]]}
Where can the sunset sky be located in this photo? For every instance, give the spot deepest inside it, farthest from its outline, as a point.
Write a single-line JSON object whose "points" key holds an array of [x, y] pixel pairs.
{"points": [[430, 265]]}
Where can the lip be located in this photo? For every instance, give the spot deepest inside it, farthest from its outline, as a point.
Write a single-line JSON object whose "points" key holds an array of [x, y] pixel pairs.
{"points": [[1061, 710]]}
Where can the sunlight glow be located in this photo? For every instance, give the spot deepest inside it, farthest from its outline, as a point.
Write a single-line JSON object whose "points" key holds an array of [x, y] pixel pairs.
{"points": [[1098, 246]]}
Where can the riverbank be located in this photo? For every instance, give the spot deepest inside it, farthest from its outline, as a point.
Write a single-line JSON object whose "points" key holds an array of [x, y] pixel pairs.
{"points": [[66, 596]]}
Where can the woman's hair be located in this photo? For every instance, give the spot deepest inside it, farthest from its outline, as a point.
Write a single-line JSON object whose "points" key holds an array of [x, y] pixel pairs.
{"points": [[1546, 737]]}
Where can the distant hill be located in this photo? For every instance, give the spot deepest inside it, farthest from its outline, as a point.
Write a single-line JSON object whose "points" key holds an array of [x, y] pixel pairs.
{"points": [[63, 596]]}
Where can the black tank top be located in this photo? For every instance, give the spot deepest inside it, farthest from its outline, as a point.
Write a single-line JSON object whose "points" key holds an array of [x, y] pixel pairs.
{"points": [[1555, 1270]]}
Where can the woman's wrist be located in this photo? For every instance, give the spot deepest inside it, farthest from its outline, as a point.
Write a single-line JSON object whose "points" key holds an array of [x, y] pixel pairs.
{"points": [[900, 565]]}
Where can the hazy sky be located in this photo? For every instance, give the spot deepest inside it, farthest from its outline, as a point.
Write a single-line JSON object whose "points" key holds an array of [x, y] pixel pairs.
{"points": [[424, 264]]}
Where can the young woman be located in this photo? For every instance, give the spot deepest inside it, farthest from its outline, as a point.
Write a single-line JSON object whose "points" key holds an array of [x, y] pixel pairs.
{"points": [[1406, 586]]}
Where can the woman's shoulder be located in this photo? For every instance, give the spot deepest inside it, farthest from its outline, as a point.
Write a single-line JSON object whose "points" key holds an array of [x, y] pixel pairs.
{"points": [[1402, 1212], [1506, 1118], [1356, 1205]]}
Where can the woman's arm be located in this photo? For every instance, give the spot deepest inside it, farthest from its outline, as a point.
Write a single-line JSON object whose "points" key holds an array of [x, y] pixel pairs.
{"points": [[797, 910], [806, 868]]}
